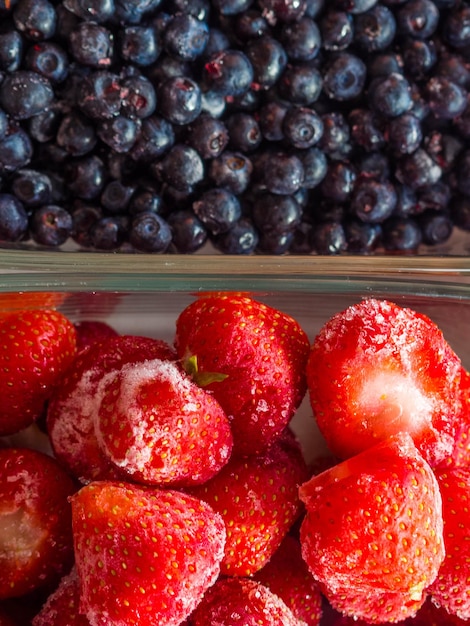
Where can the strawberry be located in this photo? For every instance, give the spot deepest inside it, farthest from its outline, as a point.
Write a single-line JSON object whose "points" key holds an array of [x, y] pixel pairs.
{"points": [[377, 369], [90, 332], [286, 574], [251, 357], [6, 619], [36, 545], [37, 347], [170, 431], [451, 588], [144, 556], [460, 456], [242, 602], [61, 607], [73, 407], [257, 499], [431, 615], [373, 531], [16, 301]]}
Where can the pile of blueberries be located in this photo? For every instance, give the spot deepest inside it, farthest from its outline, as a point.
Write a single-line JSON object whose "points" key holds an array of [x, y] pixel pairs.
{"points": [[253, 126]]}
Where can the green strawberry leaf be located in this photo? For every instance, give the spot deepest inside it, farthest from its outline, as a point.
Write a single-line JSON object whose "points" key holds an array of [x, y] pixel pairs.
{"points": [[201, 378]]}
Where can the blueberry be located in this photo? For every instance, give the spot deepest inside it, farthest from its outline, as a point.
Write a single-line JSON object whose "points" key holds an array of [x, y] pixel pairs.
{"points": [[383, 64], [36, 19], [302, 127], [11, 50], [274, 243], [456, 27], [156, 137], [366, 129], [270, 118], [283, 10], [244, 132], [314, 7], [362, 237], [374, 29], [116, 196], [85, 176], [32, 187], [268, 59], [444, 148], [48, 59], [335, 140], [418, 170], [242, 239], [199, 9], [149, 233], [447, 100], [133, 11], [185, 37], [179, 100], [345, 76], [337, 30], [374, 165], [279, 172], [407, 201], [13, 218], [4, 123], [419, 57], [144, 200], [328, 238], [92, 10], [373, 201], [99, 95], [218, 209], [454, 68], [315, 166], [138, 97], [108, 233], [390, 96], [232, 7], [418, 18], [460, 211], [188, 232], [339, 181], [139, 45], [92, 45], [404, 134], [300, 84], [181, 167], [436, 227], [24, 94], [249, 25], [231, 170], [16, 151], [119, 133], [76, 134], [275, 214], [401, 235], [207, 135], [355, 6], [301, 39], [51, 225], [229, 72]]}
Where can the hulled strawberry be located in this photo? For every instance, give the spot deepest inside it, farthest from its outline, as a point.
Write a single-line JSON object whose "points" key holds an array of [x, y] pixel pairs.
{"points": [[36, 348], [74, 405], [376, 369], [251, 357], [158, 427], [373, 531], [257, 497], [242, 602], [451, 589], [36, 545], [143, 556], [62, 606]]}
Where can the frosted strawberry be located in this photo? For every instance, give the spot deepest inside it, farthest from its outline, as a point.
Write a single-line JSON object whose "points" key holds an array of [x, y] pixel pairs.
{"points": [[257, 497], [377, 369], [36, 348], [451, 588], [143, 556], [158, 427], [62, 606], [74, 406], [242, 602], [373, 532], [460, 456], [36, 546], [286, 574], [251, 357]]}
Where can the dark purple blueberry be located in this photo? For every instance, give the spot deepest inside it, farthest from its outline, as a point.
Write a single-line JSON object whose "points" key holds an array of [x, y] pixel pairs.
{"points": [[404, 134], [50, 225], [133, 11], [315, 165], [276, 214], [418, 18], [145, 200], [301, 238], [335, 141], [337, 30], [444, 148], [149, 233], [13, 219], [242, 239], [447, 100], [188, 232], [454, 68], [229, 72], [24, 94], [279, 172], [345, 77], [456, 26], [383, 64], [436, 227], [139, 45], [32, 187], [100, 95], [314, 7], [418, 170], [116, 196], [355, 6], [302, 127], [339, 181], [435, 197], [92, 45], [119, 133], [390, 96], [43, 127], [179, 100], [283, 10], [362, 237], [419, 57], [185, 37], [76, 134], [407, 201], [36, 19], [231, 170], [207, 135], [326, 210], [375, 165], [374, 29], [270, 118], [268, 59], [199, 9], [16, 151], [108, 233], [167, 66], [401, 234], [300, 84], [181, 167], [328, 238], [91, 10], [138, 97], [218, 209], [244, 132], [274, 243], [48, 59], [373, 201], [232, 7], [366, 130], [11, 50], [250, 25], [213, 103], [4, 123], [85, 176], [301, 39], [155, 138], [247, 102]]}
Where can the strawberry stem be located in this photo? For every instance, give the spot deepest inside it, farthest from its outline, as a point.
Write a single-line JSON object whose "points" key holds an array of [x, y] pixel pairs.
{"points": [[202, 379]]}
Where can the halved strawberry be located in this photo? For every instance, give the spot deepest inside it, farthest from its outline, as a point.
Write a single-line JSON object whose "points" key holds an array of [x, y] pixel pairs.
{"points": [[36, 348], [74, 405], [242, 602], [377, 369], [62, 606], [451, 589], [251, 357], [373, 532], [158, 427], [258, 501], [143, 556], [36, 545]]}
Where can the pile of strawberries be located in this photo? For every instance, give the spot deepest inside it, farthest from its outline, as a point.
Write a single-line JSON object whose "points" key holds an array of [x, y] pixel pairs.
{"points": [[164, 485]]}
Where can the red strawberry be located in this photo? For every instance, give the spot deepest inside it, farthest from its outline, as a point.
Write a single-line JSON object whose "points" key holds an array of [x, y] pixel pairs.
{"points": [[90, 332], [35, 521], [158, 427], [372, 535], [451, 589], [242, 602], [20, 301], [377, 369], [144, 556], [36, 349], [257, 498], [61, 607], [251, 357], [431, 615], [286, 574], [74, 406], [460, 456]]}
